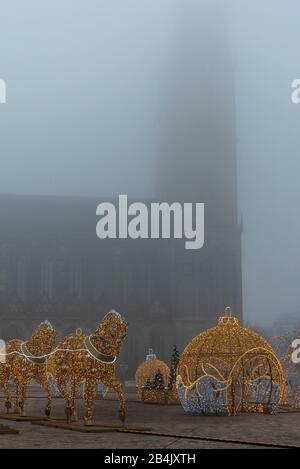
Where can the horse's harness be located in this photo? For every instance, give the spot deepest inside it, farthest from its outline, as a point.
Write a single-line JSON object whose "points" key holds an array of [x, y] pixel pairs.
{"points": [[90, 348], [32, 358], [95, 353]]}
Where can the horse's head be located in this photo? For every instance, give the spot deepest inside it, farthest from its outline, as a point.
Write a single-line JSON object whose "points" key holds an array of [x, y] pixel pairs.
{"points": [[109, 335], [42, 340]]}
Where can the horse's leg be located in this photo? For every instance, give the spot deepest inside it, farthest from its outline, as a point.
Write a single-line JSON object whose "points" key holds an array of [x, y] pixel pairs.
{"points": [[18, 374], [17, 395], [7, 394], [47, 387], [89, 395], [44, 383], [22, 396], [74, 386], [62, 387], [114, 384], [4, 377]]}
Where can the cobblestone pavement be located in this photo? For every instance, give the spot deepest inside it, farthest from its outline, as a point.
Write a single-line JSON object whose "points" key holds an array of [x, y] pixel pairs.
{"points": [[282, 428]]}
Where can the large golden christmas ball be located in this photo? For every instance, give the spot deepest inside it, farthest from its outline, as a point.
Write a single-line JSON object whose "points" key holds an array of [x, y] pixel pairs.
{"points": [[228, 369]]}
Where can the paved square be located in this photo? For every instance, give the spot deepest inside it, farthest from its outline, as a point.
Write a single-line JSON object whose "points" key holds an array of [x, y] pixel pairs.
{"points": [[282, 428]]}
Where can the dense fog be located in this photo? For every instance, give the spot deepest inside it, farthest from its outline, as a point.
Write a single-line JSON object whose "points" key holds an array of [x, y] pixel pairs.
{"points": [[111, 97]]}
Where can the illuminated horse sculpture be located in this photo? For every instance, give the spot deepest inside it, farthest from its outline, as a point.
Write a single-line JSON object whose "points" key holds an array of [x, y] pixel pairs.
{"points": [[4, 378], [80, 359], [26, 361]]}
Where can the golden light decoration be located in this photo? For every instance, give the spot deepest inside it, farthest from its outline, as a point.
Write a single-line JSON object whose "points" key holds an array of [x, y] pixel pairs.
{"points": [[280, 345], [81, 359], [26, 361], [151, 379], [284, 348], [229, 369]]}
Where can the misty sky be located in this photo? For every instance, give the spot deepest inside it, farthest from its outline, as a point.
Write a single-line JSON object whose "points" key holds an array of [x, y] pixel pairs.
{"points": [[86, 82]]}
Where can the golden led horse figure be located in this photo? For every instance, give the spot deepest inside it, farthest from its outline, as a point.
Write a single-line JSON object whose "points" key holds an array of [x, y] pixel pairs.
{"points": [[80, 359], [26, 361], [4, 377]]}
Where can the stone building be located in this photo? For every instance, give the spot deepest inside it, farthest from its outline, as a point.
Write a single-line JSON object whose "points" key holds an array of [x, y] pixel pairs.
{"points": [[52, 266]]}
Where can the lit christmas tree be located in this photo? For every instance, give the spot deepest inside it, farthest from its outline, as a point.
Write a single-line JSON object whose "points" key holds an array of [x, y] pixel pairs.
{"points": [[173, 367], [148, 384], [158, 382]]}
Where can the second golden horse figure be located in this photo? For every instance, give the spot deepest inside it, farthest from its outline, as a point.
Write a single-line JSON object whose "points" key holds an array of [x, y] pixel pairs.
{"points": [[80, 359]]}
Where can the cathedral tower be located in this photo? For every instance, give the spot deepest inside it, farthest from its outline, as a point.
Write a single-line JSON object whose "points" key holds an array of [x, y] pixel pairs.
{"points": [[198, 164]]}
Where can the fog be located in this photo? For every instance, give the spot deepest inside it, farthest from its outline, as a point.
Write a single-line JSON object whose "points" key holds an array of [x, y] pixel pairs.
{"points": [[94, 100], [84, 88], [266, 42]]}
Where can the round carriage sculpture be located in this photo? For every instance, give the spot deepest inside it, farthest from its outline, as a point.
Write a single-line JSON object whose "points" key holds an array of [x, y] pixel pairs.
{"points": [[229, 369], [151, 378]]}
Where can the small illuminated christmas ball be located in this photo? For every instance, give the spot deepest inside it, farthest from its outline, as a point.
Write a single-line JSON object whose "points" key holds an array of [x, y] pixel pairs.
{"points": [[151, 374], [229, 369]]}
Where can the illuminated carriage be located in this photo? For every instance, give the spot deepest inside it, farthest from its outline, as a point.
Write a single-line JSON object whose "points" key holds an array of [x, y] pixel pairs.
{"points": [[229, 369]]}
